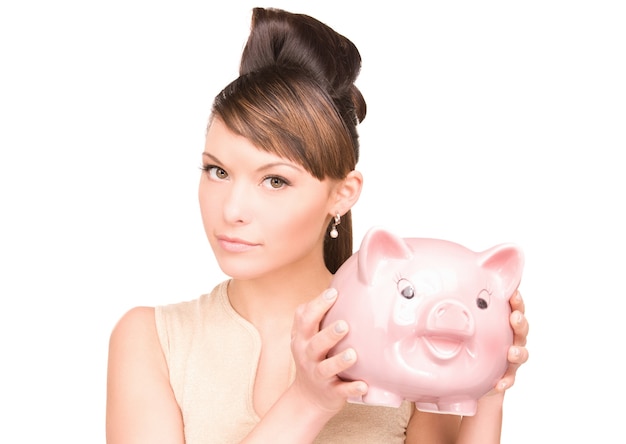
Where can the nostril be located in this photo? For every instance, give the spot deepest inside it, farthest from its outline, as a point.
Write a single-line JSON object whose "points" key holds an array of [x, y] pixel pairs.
{"points": [[451, 317]]}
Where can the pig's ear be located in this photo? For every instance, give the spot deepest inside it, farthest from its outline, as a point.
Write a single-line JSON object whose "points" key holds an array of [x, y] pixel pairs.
{"points": [[506, 261], [377, 247]]}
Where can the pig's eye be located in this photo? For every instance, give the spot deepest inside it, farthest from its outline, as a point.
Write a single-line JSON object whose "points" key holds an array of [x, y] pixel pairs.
{"points": [[482, 301], [406, 289]]}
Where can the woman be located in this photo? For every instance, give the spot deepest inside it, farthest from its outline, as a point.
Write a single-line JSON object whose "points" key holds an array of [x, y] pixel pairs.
{"points": [[247, 362]]}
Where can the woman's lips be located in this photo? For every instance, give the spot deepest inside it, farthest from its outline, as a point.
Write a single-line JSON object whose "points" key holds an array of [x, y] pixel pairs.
{"points": [[234, 245]]}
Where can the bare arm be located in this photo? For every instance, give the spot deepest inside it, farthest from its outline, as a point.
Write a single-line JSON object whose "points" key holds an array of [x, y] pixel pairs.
{"points": [[432, 428], [141, 406]]}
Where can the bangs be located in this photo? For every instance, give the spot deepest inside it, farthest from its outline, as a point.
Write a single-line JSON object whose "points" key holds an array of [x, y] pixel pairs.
{"points": [[284, 112]]}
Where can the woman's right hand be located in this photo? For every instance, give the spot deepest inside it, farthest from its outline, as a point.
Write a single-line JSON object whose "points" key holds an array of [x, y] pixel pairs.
{"points": [[317, 393], [316, 374]]}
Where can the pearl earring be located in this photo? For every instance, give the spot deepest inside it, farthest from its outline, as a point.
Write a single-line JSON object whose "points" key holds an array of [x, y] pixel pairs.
{"points": [[333, 230]]}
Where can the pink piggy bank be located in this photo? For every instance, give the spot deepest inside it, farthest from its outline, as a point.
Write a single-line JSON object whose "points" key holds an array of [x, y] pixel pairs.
{"points": [[429, 320]]}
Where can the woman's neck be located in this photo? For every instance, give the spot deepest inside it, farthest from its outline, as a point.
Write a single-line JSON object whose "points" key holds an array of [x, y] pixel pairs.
{"points": [[272, 299]]}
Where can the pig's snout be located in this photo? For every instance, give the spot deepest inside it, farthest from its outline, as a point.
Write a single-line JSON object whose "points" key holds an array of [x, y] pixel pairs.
{"points": [[451, 318], [448, 327]]}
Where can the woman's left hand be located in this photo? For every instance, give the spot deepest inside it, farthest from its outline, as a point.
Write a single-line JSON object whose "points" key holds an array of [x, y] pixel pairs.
{"points": [[518, 353]]}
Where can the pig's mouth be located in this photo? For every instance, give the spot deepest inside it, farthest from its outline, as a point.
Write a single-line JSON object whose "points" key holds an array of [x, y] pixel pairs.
{"points": [[444, 347]]}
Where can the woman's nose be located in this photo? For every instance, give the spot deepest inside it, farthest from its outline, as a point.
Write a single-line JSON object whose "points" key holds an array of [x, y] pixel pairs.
{"points": [[238, 203]]}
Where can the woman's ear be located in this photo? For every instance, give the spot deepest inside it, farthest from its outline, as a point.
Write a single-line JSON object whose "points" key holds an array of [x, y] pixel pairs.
{"points": [[347, 192]]}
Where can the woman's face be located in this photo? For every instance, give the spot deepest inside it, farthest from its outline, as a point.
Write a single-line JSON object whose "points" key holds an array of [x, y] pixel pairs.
{"points": [[261, 213]]}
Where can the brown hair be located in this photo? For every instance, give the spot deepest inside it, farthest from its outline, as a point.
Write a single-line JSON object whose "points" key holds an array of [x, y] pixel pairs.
{"points": [[295, 97]]}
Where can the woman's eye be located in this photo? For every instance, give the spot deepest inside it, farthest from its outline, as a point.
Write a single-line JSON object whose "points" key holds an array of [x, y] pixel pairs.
{"points": [[275, 182], [215, 172]]}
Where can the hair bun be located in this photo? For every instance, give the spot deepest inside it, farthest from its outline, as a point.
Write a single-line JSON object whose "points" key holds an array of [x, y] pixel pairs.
{"points": [[282, 39]]}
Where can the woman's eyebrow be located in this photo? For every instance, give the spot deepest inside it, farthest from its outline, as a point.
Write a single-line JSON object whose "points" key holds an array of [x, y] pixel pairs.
{"points": [[211, 156], [277, 164], [264, 167]]}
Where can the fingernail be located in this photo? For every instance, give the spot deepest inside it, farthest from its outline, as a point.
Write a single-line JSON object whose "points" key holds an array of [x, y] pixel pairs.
{"points": [[516, 352], [503, 385], [348, 355], [330, 294], [341, 327], [362, 387], [518, 318]]}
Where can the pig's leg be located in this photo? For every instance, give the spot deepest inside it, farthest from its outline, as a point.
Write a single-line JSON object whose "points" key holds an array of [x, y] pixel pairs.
{"points": [[454, 407], [378, 396]]}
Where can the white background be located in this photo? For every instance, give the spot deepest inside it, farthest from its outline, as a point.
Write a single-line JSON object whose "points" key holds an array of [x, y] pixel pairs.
{"points": [[488, 122]]}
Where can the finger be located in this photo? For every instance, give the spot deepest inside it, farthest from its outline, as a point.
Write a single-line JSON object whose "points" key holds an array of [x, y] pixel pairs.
{"points": [[352, 390], [517, 302], [336, 364], [505, 383], [520, 327], [517, 355], [308, 316], [508, 379], [322, 342]]}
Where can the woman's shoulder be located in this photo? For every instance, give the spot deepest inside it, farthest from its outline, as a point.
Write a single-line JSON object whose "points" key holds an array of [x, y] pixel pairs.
{"points": [[136, 319], [194, 309], [135, 330], [144, 322]]}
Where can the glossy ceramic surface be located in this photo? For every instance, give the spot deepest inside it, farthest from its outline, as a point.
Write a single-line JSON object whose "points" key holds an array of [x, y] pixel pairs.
{"points": [[429, 319]]}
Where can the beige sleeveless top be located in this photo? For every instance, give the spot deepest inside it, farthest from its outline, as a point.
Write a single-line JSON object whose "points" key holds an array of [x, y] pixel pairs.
{"points": [[212, 354]]}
